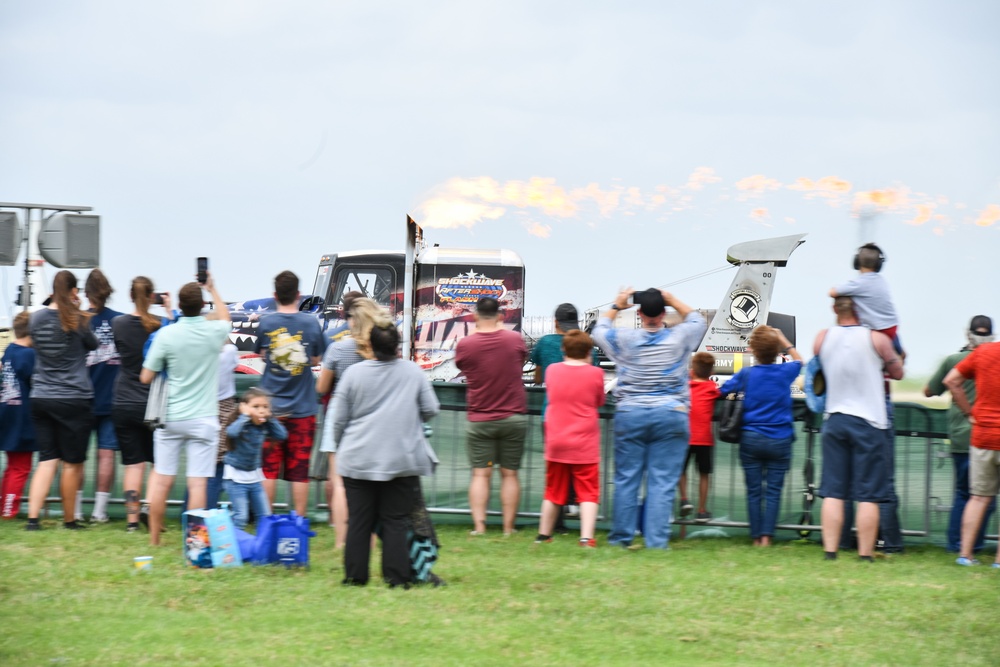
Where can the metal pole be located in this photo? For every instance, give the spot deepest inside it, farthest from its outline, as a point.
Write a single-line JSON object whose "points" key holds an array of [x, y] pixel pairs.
{"points": [[413, 235], [26, 293]]}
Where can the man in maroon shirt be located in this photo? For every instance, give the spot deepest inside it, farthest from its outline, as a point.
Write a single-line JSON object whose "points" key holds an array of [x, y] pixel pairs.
{"points": [[492, 359]]}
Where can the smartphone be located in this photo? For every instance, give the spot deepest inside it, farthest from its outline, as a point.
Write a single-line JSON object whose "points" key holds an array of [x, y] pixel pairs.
{"points": [[158, 298], [203, 270]]}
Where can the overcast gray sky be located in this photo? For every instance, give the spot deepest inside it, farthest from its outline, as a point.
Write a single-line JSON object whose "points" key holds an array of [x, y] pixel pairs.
{"points": [[606, 143]]}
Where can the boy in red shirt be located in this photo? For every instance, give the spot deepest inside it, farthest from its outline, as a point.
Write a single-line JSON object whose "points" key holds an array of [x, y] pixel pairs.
{"points": [[703, 394], [575, 391]]}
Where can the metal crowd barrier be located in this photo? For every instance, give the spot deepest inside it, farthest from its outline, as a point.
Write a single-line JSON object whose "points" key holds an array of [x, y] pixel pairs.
{"points": [[924, 476]]}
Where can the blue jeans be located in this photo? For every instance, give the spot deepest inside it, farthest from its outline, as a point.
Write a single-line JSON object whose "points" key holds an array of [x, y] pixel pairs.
{"points": [[213, 488], [890, 532], [650, 441], [961, 465], [765, 461], [242, 497]]}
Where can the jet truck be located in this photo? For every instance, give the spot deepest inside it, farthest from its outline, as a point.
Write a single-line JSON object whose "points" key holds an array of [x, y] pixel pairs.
{"points": [[432, 293]]}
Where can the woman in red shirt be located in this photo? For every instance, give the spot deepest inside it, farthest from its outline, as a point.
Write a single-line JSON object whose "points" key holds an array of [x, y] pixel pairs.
{"points": [[575, 391]]}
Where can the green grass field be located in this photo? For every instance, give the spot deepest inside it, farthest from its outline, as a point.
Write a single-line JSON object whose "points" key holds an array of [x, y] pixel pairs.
{"points": [[73, 598]]}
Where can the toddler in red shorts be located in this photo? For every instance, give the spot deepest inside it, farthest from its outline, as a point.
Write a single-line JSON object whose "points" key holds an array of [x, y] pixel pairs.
{"points": [[575, 391]]}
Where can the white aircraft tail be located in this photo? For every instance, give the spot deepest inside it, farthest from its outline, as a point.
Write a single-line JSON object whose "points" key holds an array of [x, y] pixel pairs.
{"points": [[747, 302]]}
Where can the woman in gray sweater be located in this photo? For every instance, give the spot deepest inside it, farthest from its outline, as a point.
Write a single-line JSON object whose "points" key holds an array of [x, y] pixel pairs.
{"points": [[379, 408]]}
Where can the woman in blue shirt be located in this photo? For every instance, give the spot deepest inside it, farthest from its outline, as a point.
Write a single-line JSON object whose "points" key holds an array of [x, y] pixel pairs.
{"points": [[768, 426]]}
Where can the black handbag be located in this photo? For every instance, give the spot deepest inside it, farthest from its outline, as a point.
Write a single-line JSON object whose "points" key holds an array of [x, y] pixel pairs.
{"points": [[731, 415]]}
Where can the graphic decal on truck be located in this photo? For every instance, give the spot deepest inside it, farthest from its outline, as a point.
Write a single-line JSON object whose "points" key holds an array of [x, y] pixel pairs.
{"points": [[469, 288]]}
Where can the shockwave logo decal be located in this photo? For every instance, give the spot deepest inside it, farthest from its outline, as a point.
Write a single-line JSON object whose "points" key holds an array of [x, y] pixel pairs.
{"points": [[743, 308], [469, 288]]}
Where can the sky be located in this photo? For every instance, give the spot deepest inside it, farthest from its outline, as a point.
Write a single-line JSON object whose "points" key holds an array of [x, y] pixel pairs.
{"points": [[608, 144]]}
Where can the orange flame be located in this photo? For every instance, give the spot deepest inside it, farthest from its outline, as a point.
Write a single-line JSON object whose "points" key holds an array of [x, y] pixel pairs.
{"points": [[538, 229], [701, 177], [989, 216], [826, 186], [924, 213], [757, 184]]}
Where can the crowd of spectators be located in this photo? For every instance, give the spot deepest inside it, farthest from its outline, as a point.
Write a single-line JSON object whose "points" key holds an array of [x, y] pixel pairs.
{"points": [[72, 372]]}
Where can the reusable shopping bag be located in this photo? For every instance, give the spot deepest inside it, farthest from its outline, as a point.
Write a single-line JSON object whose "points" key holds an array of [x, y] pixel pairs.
{"points": [[210, 539], [283, 538]]}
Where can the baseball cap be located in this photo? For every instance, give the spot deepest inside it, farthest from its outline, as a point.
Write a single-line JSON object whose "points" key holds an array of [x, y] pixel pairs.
{"points": [[981, 326], [567, 318], [650, 302]]}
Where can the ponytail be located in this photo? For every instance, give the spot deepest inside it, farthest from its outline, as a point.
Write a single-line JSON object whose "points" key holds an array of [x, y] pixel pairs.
{"points": [[142, 296], [62, 294], [98, 289]]}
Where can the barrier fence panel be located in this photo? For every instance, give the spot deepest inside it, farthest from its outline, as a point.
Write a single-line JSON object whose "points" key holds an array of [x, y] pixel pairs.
{"points": [[923, 473]]}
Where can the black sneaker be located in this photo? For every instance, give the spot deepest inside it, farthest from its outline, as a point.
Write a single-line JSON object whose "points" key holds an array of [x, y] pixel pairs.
{"points": [[436, 581]]}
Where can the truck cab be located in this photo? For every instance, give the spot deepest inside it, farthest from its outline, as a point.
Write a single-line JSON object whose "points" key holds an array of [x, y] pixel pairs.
{"points": [[447, 283]]}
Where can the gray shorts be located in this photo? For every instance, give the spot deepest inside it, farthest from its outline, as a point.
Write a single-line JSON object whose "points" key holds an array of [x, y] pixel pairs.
{"points": [[499, 442], [198, 437], [984, 471]]}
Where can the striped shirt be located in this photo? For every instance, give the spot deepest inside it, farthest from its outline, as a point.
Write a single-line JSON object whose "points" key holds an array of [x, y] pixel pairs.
{"points": [[652, 365]]}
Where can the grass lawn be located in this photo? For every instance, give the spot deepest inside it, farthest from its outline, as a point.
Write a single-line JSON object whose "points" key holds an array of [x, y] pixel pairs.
{"points": [[72, 598]]}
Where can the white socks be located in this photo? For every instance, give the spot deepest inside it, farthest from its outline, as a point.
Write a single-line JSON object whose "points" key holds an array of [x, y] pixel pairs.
{"points": [[101, 504]]}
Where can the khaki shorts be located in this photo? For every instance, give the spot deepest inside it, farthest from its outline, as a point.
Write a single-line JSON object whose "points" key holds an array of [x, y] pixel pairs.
{"points": [[499, 442], [984, 471]]}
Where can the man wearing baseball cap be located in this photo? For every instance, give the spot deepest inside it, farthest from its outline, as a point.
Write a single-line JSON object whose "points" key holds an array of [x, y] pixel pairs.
{"points": [[960, 430], [651, 415], [984, 416]]}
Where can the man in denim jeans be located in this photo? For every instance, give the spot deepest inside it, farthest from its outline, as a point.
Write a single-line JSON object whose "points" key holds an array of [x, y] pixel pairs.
{"points": [[651, 417]]}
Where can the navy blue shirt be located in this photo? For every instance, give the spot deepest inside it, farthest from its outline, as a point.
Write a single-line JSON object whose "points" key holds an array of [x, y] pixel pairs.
{"points": [[104, 362], [767, 402], [17, 433], [288, 342]]}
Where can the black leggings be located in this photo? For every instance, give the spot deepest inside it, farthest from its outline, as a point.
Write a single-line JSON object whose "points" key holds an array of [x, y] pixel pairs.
{"points": [[389, 504]]}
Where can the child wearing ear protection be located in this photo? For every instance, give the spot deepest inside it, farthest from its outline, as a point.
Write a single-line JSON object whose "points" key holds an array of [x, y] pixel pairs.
{"points": [[870, 292]]}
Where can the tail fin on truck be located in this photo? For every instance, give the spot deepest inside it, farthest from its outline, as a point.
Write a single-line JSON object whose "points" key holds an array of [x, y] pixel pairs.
{"points": [[747, 302]]}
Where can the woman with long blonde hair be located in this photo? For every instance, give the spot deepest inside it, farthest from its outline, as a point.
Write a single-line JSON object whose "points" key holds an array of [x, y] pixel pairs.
{"points": [[61, 397], [362, 314]]}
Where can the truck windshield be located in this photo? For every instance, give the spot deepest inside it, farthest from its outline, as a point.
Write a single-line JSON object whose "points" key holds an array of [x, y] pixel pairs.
{"points": [[374, 282]]}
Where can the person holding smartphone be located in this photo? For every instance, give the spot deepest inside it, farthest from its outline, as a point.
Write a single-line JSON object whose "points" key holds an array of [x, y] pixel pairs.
{"points": [[189, 351], [651, 415]]}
